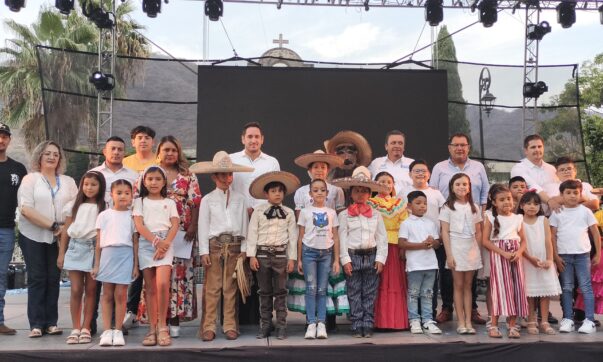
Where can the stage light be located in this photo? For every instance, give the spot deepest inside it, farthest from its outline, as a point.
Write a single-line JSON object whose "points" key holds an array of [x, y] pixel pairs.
{"points": [[102, 81], [214, 9], [151, 7], [434, 12], [488, 15], [15, 5], [537, 32], [64, 6], [102, 19], [366, 5], [601, 14], [566, 14], [534, 90]]}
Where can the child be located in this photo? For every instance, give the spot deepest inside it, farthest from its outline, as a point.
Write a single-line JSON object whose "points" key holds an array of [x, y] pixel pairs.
{"points": [[518, 187], [461, 229], [272, 247], [363, 249], [596, 280], [503, 237], [571, 246], [223, 221], [157, 221], [78, 259], [541, 281], [419, 236], [566, 170], [142, 141], [390, 306], [116, 259]]}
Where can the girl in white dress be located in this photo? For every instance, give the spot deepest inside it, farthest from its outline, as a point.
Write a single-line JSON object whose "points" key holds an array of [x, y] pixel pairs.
{"points": [[541, 280]]}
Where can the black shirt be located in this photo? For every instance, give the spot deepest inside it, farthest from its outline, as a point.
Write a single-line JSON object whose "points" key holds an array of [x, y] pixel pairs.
{"points": [[11, 174]]}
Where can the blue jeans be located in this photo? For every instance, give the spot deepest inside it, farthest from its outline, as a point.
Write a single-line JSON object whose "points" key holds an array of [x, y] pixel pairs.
{"points": [[420, 286], [7, 245], [316, 264], [577, 266]]}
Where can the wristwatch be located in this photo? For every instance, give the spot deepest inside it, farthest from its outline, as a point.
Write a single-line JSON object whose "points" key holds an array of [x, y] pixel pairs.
{"points": [[55, 226]]}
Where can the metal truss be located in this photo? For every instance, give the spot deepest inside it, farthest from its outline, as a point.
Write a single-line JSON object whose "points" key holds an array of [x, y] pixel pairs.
{"points": [[107, 46], [530, 71]]}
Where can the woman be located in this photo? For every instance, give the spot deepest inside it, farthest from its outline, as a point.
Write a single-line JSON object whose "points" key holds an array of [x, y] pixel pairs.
{"points": [[183, 188], [42, 197]]}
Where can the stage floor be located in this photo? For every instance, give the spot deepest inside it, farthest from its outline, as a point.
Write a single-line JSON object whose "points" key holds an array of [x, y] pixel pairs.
{"points": [[383, 345]]}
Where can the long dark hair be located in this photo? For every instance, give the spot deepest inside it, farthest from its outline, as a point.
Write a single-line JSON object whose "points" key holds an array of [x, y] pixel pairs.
{"points": [[385, 173], [99, 199], [452, 197], [492, 193], [144, 192], [527, 197]]}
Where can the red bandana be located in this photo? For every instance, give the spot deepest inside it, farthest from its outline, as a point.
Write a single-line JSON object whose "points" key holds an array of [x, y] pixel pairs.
{"points": [[360, 209]]}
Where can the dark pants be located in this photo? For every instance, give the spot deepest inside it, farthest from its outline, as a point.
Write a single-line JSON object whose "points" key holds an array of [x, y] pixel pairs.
{"points": [[272, 282], [362, 290], [43, 278], [446, 284], [134, 292]]}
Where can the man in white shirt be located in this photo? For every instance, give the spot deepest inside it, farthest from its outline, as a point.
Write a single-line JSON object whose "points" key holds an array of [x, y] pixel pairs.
{"points": [[395, 163], [253, 139]]}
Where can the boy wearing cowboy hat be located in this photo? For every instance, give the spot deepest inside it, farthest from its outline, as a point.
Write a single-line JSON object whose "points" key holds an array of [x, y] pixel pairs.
{"points": [[363, 250], [222, 229], [272, 246]]}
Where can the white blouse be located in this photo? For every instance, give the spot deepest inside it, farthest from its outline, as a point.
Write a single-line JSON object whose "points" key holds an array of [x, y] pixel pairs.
{"points": [[83, 227]]}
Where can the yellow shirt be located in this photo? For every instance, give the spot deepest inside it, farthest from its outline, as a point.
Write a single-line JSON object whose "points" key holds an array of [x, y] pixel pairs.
{"points": [[394, 213], [133, 163], [599, 218]]}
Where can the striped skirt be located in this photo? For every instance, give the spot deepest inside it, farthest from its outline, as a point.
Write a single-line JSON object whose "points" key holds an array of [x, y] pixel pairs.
{"points": [[507, 284]]}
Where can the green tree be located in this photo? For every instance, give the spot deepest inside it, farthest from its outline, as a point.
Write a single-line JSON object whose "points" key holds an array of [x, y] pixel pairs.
{"points": [[457, 118]]}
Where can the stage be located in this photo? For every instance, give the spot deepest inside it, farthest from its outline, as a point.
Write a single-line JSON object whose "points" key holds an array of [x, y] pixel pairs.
{"points": [[384, 346]]}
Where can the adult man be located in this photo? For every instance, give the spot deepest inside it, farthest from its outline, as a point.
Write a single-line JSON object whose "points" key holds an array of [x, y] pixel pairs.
{"points": [[253, 139], [535, 171], [459, 161], [395, 162], [11, 174], [142, 141]]}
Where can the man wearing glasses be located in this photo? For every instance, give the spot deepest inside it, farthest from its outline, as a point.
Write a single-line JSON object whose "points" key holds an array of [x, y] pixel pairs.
{"points": [[395, 163]]}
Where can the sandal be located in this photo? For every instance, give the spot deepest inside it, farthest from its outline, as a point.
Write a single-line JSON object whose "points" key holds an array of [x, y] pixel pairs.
{"points": [[461, 330], [163, 337], [470, 330], [150, 339], [546, 328], [514, 333], [533, 328], [494, 332], [85, 336], [74, 337], [35, 333], [54, 330]]}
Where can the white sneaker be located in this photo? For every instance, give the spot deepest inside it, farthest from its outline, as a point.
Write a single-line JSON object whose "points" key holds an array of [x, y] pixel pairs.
{"points": [[587, 327], [118, 338], [321, 331], [130, 321], [174, 331], [430, 327], [415, 327], [311, 331], [106, 338], [566, 325]]}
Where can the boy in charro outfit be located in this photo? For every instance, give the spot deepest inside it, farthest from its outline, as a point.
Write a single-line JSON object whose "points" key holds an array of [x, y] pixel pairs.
{"points": [[272, 246]]}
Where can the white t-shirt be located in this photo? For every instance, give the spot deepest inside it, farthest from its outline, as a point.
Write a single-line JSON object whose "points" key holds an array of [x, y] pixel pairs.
{"points": [[116, 228], [318, 223], [84, 225], [435, 200], [572, 229], [416, 230], [462, 220], [509, 226], [335, 198], [156, 214]]}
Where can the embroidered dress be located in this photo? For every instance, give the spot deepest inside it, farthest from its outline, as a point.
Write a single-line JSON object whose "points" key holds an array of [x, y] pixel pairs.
{"points": [[391, 310]]}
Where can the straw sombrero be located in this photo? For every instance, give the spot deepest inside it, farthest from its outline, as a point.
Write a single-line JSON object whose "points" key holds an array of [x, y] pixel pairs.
{"points": [[307, 159], [291, 182], [365, 154], [360, 177], [220, 163]]}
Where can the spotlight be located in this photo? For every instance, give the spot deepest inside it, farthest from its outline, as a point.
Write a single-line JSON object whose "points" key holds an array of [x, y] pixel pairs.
{"points": [[366, 5], [102, 81], [102, 19], [601, 14], [214, 9], [488, 15], [64, 6], [151, 7], [537, 32], [534, 90], [15, 5], [566, 14], [434, 12]]}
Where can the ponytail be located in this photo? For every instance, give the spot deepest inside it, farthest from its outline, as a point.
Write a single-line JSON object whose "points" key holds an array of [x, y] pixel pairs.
{"points": [[496, 225]]}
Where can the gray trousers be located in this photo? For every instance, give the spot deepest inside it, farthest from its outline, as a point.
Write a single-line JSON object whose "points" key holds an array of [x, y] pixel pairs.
{"points": [[272, 283], [362, 290]]}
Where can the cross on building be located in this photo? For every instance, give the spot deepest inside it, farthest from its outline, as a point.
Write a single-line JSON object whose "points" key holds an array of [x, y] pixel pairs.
{"points": [[280, 41]]}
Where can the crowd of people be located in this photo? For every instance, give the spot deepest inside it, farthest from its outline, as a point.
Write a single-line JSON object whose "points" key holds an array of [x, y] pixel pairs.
{"points": [[379, 240]]}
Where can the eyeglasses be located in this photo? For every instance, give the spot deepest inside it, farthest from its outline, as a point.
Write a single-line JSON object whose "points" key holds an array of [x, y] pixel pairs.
{"points": [[419, 171], [458, 145]]}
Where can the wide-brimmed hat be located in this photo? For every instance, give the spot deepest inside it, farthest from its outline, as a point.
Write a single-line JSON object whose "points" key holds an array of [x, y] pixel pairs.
{"points": [[360, 177], [220, 163], [307, 159], [291, 182], [365, 153]]}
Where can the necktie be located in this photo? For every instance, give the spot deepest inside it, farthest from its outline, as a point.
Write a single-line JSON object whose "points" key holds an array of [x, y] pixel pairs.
{"points": [[275, 212], [360, 209]]}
